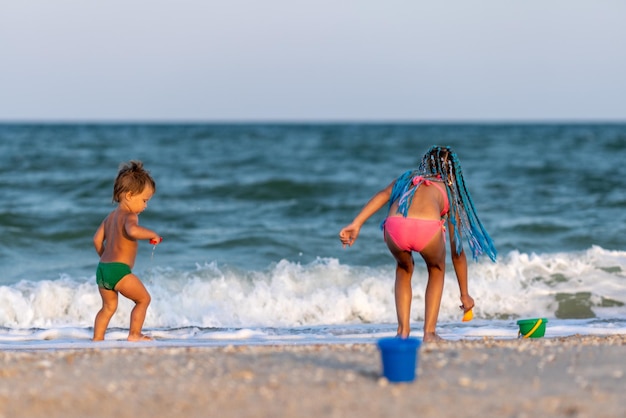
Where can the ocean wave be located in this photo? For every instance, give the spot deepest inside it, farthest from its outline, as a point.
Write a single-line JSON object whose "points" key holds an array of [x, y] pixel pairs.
{"points": [[325, 292]]}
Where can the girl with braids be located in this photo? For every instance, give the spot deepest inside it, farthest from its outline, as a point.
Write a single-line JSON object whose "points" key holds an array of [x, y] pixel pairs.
{"points": [[420, 205], [116, 244]]}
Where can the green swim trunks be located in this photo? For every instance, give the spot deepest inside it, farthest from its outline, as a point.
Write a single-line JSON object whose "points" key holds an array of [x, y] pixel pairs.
{"points": [[109, 274]]}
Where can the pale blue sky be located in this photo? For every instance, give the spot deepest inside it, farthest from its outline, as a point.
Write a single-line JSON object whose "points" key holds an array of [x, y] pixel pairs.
{"points": [[290, 60]]}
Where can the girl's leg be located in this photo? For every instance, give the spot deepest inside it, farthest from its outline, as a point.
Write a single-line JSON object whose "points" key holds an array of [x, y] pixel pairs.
{"points": [[132, 288], [403, 290], [435, 257], [104, 315]]}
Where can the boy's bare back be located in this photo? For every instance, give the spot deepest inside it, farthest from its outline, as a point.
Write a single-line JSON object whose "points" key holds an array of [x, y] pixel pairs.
{"points": [[120, 247]]}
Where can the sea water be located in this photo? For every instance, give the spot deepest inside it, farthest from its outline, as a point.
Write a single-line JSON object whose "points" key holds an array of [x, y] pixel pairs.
{"points": [[250, 215]]}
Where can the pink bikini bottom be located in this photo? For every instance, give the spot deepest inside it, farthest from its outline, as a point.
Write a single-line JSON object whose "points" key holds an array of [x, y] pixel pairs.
{"points": [[412, 234]]}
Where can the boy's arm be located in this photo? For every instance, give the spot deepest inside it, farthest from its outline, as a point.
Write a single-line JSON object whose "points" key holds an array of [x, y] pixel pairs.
{"points": [[135, 231], [98, 239], [350, 233]]}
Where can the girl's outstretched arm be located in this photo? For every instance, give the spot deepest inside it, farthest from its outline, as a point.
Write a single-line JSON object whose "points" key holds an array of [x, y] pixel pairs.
{"points": [[349, 233]]}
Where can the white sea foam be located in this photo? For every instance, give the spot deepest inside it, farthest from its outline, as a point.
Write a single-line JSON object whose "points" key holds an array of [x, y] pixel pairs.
{"points": [[218, 304]]}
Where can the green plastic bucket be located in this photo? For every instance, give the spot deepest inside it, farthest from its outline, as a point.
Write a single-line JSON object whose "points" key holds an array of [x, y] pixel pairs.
{"points": [[532, 328]]}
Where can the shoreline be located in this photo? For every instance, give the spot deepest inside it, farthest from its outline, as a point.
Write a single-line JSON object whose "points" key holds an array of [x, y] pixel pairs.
{"points": [[562, 376]]}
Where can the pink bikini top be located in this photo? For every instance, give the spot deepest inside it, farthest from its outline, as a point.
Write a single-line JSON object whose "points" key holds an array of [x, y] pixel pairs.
{"points": [[417, 180]]}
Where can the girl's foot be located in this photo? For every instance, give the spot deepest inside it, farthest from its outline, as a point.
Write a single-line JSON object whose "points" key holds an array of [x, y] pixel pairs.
{"points": [[140, 337], [401, 333], [432, 337]]}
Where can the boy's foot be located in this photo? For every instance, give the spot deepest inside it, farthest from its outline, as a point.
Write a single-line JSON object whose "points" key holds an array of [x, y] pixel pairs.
{"points": [[432, 337], [140, 337]]}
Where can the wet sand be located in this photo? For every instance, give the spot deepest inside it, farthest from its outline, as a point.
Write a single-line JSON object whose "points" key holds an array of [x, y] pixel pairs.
{"points": [[577, 376]]}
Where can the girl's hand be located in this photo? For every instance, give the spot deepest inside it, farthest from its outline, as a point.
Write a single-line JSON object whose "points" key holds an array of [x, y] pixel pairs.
{"points": [[467, 303], [155, 241], [348, 235]]}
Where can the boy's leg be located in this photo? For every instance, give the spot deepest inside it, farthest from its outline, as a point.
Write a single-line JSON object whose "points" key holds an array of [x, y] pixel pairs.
{"points": [[109, 305], [132, 288], [403, 291]]}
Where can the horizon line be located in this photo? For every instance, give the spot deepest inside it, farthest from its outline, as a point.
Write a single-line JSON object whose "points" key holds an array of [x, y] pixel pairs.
{"points": [[254, 121]]}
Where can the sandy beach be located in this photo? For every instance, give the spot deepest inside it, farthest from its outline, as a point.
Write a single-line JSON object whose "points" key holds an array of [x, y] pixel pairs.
{"points": [[577, 376]]}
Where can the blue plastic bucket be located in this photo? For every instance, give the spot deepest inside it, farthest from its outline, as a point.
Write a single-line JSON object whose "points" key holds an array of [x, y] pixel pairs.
{"points": [[399, 357]]}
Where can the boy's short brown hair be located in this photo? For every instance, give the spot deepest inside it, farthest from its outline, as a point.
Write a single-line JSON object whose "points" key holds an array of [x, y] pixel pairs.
{"points": [[133, 178]]}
